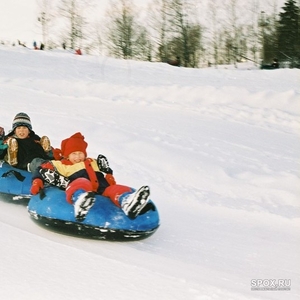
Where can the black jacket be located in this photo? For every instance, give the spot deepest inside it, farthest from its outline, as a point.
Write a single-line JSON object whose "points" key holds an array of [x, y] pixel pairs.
{"points": [[28, 149]]}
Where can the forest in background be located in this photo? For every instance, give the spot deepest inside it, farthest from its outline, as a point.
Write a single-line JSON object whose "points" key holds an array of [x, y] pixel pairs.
{"points": [[175, 31]]}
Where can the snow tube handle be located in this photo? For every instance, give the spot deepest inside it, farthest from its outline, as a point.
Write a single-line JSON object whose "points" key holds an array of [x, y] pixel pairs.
{"points": [[42, 194], [18, 175]]}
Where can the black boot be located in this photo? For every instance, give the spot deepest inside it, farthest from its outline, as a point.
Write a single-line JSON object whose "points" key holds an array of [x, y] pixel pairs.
{"points": [[54, 178]]}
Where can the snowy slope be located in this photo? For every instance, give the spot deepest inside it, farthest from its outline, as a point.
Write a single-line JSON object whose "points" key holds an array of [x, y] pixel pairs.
{"points": [[219, 149]]}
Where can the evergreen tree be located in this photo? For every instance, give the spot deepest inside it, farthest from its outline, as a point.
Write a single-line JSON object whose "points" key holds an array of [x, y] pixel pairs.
{"points": [[184, 42], [73, 11], [269, 38], [159, 21], [126, 38], [289, 33]]}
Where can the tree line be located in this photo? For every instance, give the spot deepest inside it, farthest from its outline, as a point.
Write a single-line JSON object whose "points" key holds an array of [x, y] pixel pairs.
{"points": [[174, 31]]}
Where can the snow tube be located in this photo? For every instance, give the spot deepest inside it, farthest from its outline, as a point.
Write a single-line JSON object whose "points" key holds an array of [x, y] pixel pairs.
{"points": [[104, 220], [14, 181]]}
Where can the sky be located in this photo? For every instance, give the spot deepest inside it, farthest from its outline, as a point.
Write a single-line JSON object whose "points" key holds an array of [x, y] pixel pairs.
{"points": [[219, 149], [18, 18]]}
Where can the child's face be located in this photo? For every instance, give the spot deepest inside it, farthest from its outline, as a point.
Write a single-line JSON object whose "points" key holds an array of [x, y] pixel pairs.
{"points": [[22, 132], [76, 157]]}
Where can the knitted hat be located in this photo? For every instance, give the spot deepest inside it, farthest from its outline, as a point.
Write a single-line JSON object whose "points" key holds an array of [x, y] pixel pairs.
{"points": [[21, 119], [73, 144]]}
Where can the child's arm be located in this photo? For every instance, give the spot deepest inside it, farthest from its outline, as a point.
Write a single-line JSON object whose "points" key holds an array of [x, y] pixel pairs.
{"points": [[2, 133], [3, 146]]}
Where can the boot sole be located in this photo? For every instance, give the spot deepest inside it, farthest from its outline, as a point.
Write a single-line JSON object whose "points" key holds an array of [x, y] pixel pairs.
{"points": [[85, 206], [144, 193]]}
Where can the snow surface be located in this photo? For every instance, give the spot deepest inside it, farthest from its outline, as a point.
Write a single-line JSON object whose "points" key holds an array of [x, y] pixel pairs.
{"points": [[219, 149]]}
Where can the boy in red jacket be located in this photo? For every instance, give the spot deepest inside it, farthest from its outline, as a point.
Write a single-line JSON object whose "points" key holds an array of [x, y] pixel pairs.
{"points": [[82, 177]]}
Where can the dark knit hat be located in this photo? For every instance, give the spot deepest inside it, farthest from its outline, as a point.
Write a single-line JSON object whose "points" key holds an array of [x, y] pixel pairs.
{"points": [[21, 119], [73, 144]]}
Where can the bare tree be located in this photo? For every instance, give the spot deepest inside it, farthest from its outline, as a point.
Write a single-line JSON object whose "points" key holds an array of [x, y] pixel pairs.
{"points": [[253, 30], [97, 39], [126, 38], [144, 45], [232, 31], [214, 29], [45, 16], [158, 13], [73, 12], [185, 32]]}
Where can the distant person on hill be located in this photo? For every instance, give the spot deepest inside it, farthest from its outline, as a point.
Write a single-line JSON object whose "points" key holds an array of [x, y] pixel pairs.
{"points": [[272, 66], [275, 63], [176, 62]]}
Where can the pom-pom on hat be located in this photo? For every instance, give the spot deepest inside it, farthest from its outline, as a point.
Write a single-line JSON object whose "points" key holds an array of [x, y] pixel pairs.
{"points": [[73, 144], [21, 119]]}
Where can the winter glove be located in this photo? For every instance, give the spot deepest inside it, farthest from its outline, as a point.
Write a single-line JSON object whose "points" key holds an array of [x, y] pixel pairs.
{"points": [[2, 133], [2, 146], [57, 154], [37, 186], [103, 164]]}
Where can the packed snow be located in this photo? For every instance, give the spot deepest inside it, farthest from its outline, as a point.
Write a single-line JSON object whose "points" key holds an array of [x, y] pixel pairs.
{"points": [[219, 148]]}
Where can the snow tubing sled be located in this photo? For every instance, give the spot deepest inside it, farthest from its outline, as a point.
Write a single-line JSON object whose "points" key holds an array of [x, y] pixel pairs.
{"points": [[14, 182], [103, 221]]}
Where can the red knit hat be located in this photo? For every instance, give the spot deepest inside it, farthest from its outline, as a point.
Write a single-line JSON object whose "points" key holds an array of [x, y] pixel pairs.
{"points": [[72, 144]]}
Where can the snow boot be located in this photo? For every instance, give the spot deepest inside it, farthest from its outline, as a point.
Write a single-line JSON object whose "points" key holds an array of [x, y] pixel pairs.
{"points": [[12, 151], [132, 204], [83, 202], [54, 178]]}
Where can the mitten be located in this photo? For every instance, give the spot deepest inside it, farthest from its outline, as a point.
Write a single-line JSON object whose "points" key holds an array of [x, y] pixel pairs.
{"points": [[2, 146], [57, 154], [37, 185], [103, 164]]}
